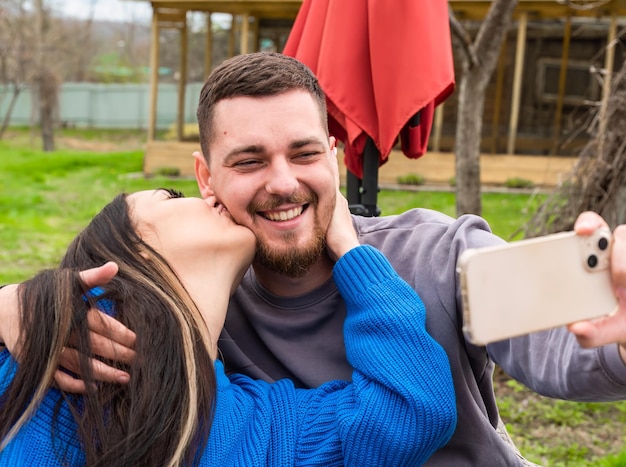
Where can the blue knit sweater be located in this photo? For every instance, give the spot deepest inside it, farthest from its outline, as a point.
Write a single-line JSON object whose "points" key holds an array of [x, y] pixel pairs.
{"points": [[399, 408]]}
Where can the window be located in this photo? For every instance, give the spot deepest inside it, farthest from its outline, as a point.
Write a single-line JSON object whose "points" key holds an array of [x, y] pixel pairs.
{"points": [[581, 85]]}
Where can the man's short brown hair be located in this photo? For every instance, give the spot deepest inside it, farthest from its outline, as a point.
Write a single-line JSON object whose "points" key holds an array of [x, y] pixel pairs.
{"points": [[256, 74]]}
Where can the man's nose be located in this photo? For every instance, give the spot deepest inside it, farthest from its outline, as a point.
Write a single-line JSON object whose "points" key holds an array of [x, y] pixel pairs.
{"points": [[282, 179]]}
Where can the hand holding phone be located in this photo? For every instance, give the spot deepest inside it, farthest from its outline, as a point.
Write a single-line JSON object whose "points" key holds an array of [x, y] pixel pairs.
{"points": [[536, 284]]}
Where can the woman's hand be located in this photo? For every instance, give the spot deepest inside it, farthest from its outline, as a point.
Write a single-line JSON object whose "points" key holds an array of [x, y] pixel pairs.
{"points": [[340, 236]]}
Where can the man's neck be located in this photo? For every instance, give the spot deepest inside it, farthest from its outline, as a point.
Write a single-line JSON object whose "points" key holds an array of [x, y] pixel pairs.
{"points": [[285, 286]]}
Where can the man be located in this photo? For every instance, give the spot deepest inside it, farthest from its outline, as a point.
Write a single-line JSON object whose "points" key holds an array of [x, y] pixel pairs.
{"points": [[267, 155]]}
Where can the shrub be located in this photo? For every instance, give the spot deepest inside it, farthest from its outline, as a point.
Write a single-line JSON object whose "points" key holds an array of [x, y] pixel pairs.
{"points": [[168, 171], [411, 179], [517, 182]]}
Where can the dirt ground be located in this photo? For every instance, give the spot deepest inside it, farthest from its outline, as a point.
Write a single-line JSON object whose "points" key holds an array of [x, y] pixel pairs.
{"points": [[128, 143]]}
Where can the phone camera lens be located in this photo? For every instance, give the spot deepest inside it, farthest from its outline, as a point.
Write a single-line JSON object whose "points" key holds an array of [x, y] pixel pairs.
{"points": [[603, 243], [592, 261]]}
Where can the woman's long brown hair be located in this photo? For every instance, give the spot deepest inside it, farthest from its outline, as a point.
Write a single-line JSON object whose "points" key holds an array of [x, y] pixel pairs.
{"points": [[163, 415]]}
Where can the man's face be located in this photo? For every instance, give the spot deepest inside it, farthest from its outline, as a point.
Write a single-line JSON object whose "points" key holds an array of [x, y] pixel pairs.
{"points": [[271, 165]]}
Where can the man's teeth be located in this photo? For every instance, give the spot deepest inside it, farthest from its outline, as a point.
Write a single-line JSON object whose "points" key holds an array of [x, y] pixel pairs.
{"points": [[284, 215]]}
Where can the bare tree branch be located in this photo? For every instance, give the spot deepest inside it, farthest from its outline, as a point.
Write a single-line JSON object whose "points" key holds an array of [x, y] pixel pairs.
{"points": [[598, 180], [464, 38], [494, 27]]}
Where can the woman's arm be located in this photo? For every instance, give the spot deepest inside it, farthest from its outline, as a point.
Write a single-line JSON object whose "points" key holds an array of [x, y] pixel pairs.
{"points": [[404, 406], [43, 316], [404, 396]]}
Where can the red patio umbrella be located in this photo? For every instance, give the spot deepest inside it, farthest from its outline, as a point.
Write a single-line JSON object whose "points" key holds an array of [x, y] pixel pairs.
{"points": [[384, 66]]}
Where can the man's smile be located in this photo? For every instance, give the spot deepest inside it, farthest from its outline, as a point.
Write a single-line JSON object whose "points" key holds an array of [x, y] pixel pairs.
{"points": [[283, 215]]}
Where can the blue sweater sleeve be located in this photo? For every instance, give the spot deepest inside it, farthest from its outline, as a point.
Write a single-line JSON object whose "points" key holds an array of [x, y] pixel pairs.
{"points": [[399, 408], [34, 443], [402, 379]]}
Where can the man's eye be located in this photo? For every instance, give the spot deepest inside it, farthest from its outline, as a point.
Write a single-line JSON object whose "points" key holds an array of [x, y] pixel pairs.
{"points": [[304, 156], [173, 193], [247, 163]]}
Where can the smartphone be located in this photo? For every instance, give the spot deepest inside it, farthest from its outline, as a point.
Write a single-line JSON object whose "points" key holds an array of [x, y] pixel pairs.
{"points": [[535, 284]]}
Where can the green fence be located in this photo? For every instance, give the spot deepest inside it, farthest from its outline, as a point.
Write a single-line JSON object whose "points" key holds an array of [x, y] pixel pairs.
{"points": [[97, 105]]}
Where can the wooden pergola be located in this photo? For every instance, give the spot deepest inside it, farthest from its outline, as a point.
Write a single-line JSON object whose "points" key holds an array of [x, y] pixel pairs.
{"points": [[549, 10], [247, 14]]}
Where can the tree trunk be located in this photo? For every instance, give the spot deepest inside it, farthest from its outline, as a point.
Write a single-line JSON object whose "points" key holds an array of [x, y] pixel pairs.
{"points": [[45, 81], [480, 58], [48, 95], [467, 144]]}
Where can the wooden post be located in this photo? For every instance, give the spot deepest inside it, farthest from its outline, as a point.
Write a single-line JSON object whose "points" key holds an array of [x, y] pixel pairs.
{"points": [[245, 30], [255, 33], [154, 74], [567, 34], [495, 121], [609, 60], [231, 37], [517, 81], [182, 82], [208, 46], [437, 127]]}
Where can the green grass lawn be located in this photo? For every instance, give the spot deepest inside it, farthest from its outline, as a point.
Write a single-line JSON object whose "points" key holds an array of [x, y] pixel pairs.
{"points": [[45, 199], [505, 212]]}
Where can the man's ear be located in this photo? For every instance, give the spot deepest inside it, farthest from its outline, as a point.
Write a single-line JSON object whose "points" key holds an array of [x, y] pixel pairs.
{"points": [[203, 175], [332, 142]]}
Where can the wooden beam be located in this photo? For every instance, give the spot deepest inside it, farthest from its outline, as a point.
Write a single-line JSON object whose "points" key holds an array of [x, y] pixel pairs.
{"points": [[232, 35], [154, 75], [558, 114], [495, 121], [517, 81], [438, 127], [476, 10], [287, 9], [255, 34], [171, 18], [464, 9], [609, 60], [208, 47], [244, 38], [182, 82]]}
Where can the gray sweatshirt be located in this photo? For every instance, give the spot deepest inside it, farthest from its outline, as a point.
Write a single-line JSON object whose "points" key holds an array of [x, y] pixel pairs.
{"points": [[301, 338]]}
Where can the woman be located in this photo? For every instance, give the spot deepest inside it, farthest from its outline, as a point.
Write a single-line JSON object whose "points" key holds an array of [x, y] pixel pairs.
{"points": [[179, 260]]}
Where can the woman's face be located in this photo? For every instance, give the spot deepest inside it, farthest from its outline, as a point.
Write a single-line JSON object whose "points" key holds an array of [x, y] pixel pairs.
{"points": [[186, 231]]}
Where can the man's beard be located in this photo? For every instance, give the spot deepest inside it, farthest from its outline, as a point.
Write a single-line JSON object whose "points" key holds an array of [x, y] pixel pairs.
{"points": [[292, 262]]}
